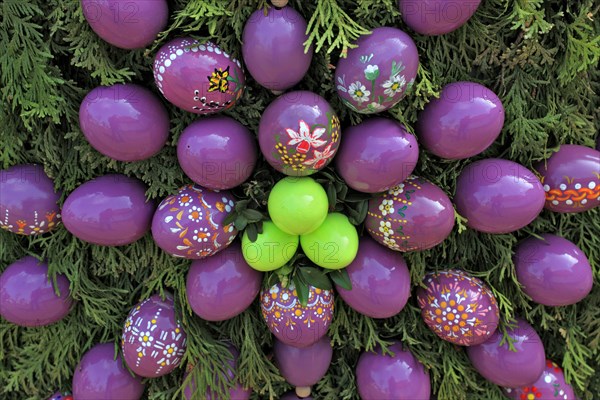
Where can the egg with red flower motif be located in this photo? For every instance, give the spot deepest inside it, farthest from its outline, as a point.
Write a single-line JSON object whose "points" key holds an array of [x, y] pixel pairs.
{"points": [[190, 224], [549, 386]]}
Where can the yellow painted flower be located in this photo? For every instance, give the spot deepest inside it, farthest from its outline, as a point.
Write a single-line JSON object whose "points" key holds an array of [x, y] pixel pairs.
{"points": [[218, 80]]}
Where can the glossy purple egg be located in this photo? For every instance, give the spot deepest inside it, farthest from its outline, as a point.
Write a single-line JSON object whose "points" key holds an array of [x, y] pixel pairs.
{"points": [[128, 24], [61, 396], [299, 133], [198, 77], [27, 296], [289, 321], [189, 224], [110, 210], [376, 155], [153, 341], [498, 196], [398, 377], [571, 179], [303, 366], [126, 122], [217, 152], [459, 308], [437, 17], [550, 385], [378, 73], [100, 376], [553, 271], [28, 202], [273, 47], [293, 396], [415, 215], [501, 366], [462, 123]]}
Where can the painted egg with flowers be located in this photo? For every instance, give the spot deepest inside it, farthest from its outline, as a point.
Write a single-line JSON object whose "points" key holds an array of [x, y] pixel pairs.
{"points": [[549, 386], [61, 396]]}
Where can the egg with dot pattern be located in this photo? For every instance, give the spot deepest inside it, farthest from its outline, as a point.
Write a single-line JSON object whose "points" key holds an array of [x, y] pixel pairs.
{"points": [[551, 385]]}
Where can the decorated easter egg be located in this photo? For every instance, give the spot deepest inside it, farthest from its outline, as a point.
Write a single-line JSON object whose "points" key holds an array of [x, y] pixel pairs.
{"points": [[550, 385], [437, 17], [502, 366], [198, 77], [110, 210], [27, 295], [571, 179], [100, 376], [553, 271], [378, 73], [153, 341], [498, 196], [126, 122], [415, 215], [272, 249], [217, 152], [293, 396], [128, 24], [376, 155], [189, 224], [292, 323], [334, 244], [464, 121], [273, 47], [61, 396], [222, 286], [299, 133], [380, 281], [399, 376], [459, 308], [28, 202]]}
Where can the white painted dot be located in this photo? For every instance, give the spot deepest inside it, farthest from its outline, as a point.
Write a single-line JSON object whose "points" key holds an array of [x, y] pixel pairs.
{"points": [[217, 50], [592, 185], [226, 55], [546, 188], [202, 47], [577, 186], [187, 49], [555, 202], [179, 52], [584, 201], [562, 186], [569, 202], [161, 69], [448, 309], [210, 49], [547, 379], [160, 78], [173, 56], [195, 49], [561, 392], [168, 63]]}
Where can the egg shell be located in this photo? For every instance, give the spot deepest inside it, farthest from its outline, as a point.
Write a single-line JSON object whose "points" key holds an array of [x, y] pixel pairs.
{"points": [[376, 155], [458, 307], [498, 196], [293, 396], [110, 210], [550, 385], [27, 295], [464, 121], [291, 323], [398, 377], [60, 396], [198, 77], [303, 366], [217, 152], [153, 341], [437, 17], [127, 24], [415, 215], [28, 202], [189, 224], [553, 270], [501, 366], [100, 376], [273, 47], [571, 178], [126, 122], [299, 133], [378, 73]]}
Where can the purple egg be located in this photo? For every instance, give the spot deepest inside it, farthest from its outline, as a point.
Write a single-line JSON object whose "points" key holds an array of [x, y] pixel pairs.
{"points": [[550, 385], [198, 77], [463, 122], [28, 297], [28, 202], [217, 152], [553, 271], [222, 286], [501, 366], [299, 133], [437, 17], [459, 308], [273, 47], [110, 210], [415, 215], [498, 196], [378, 73], [100, 376], [61, 396], [128, 24], [376, 155], [289, 321], [126, 122], [571, 179], [189, 224], [306, 366], [153, 340], [398, 377], [293, 396]]}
